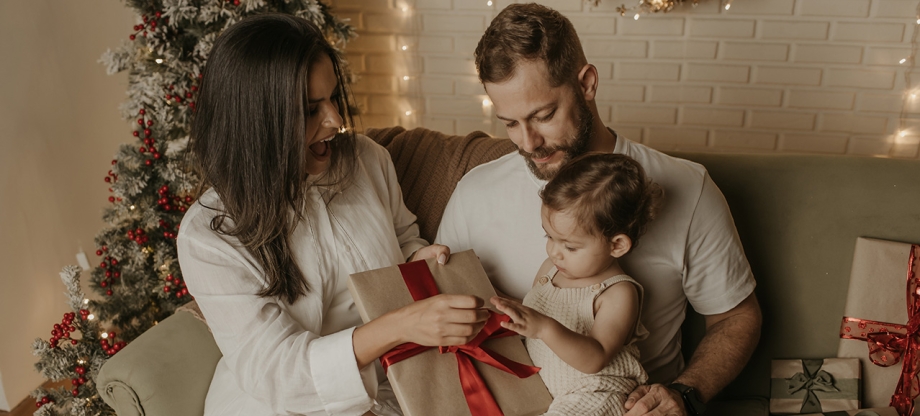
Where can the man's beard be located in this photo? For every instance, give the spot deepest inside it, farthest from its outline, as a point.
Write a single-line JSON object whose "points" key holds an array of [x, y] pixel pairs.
{"points": [[576, 146]]}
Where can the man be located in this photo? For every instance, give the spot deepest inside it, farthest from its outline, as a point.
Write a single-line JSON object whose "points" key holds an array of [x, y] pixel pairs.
{"points": [[533, 68]]}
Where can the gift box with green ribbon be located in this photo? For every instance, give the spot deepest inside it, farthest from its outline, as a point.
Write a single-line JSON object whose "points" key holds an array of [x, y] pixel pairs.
{"points": [[877, 411], [814, 386]]}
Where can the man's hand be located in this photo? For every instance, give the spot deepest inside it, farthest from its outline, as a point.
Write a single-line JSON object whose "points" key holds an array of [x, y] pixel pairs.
{"points": [[654, 400]]}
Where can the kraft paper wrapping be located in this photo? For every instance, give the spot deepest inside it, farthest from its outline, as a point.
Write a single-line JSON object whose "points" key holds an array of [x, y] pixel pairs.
{"points": [[428, 384], [877, 411], [877, 291], [799, 386]]}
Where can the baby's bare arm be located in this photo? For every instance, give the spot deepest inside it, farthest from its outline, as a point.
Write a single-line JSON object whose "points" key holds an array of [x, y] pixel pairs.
{"points": [[615, 319]]}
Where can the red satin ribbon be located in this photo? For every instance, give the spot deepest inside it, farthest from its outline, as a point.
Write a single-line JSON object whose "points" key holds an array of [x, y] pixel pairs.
{"points": [[480, 401], [892, 343]]}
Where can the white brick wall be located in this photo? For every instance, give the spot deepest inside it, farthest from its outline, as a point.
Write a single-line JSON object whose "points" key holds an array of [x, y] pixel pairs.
{"points": [[817, 76]]}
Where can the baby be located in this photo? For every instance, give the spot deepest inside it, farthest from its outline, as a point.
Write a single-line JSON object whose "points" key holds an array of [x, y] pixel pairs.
{"points": [[581, 318]]}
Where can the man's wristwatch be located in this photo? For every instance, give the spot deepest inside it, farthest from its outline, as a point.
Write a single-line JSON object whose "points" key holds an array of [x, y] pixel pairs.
{"points": [[691, 397]]}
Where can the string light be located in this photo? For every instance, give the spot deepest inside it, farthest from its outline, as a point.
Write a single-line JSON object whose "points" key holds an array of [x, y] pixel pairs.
{"points": [[406, 77], [159, 61], [650, 6], [489, 3], [104, 335], [91, 317], [486, 102], [728, 6], [409, 112], [911, 93], [131, 207], [405, 47], [85, 301]]}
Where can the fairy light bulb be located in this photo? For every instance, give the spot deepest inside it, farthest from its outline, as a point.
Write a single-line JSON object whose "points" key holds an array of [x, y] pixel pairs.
{"points": [[104, 335], [728, 6], [409, 112], [405, 77], [903, 60], [486, 102], [91, 317], [489, 3], [405, 47], [636, 17]]}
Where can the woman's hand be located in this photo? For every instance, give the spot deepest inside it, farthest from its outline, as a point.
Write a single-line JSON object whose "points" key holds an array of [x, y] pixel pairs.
{"points": [[434, 251], [443, 320], [524, 320]]}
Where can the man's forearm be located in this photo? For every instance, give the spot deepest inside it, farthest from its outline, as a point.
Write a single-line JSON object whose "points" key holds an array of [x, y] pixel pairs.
{"points": [[725, 349]]}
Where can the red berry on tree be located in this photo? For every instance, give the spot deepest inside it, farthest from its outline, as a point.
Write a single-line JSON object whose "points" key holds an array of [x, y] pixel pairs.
{"points": [[144, 34], [148, 162], [149, 122], [142, 149], [136, 134], [140, 121], [75, 392], [108, 292], [156, 155], [103, 283], [157, 15], [147, 132], [188, 95], [166, 289], [98, 252], [142, 111]]}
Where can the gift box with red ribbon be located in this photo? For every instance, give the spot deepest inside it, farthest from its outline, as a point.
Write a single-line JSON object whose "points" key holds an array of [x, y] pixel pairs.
{"points": [[490, 375], [814, 386], [881, 323], [876, 411]]}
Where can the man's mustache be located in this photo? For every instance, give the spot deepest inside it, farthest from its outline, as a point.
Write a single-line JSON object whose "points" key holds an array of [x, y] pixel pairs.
{"points": [[540, 153]]}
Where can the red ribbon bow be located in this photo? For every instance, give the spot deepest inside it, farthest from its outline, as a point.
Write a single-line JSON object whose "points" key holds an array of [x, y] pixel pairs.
{"points": [[892, 343], [480, 401]]}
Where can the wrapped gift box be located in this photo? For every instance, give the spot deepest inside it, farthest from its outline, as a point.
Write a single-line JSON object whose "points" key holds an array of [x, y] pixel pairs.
{"points": [[428, 383], [877, 411], [808, 386], [877, 296]]}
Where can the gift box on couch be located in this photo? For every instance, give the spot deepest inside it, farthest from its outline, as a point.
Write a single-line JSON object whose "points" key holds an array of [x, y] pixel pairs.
{"points": [[883, 298], [876, 411], [437, 381], [814, 386]]}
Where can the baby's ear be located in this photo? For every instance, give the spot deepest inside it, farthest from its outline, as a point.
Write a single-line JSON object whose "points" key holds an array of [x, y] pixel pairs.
{"points": [[620, 244]]}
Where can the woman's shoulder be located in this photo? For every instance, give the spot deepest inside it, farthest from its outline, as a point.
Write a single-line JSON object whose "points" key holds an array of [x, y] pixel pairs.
{"points": [[198, 218]]}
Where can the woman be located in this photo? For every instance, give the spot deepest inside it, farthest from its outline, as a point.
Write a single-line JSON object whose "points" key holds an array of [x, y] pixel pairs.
{"points": [[294, 207]]}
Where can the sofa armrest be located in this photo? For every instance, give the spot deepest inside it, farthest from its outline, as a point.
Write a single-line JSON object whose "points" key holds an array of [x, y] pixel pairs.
{"points": [[165, 371]]}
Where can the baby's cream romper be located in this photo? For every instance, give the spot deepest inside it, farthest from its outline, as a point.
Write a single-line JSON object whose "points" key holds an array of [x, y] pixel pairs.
{"points": [[574, 392]]}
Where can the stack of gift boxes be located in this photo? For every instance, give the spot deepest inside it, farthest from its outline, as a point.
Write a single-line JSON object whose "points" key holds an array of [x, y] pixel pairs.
{"points": [[879, 334], [876, 371]]}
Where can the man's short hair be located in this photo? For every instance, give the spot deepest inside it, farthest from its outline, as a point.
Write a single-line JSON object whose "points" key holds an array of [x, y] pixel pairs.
{"points": [[530, 32]]}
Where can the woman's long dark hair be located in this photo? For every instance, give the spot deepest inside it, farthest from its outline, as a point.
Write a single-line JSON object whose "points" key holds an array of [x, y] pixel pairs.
{"points": [[249, 138]]}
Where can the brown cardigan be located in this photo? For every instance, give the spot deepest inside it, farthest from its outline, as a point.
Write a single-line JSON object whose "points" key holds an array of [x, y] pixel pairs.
{"points": [[438, 162]]}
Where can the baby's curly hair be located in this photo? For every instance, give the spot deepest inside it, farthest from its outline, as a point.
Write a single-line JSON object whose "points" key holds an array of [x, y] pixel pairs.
{"points": [[608, 194]]}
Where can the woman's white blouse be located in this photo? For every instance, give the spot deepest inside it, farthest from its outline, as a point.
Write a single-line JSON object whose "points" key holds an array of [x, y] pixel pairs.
{"points": [[281, 358]]}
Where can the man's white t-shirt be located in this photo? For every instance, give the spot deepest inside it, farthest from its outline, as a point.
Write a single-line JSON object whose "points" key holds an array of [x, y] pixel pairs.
{"points": [[691, 251]]}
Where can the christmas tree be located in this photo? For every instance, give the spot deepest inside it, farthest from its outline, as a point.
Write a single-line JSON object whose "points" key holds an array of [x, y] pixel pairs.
{"points": [[138, 279]]}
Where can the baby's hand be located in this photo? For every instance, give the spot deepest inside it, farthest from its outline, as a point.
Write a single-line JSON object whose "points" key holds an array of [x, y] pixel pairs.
{"points": [[524, 320], [434, 251]]}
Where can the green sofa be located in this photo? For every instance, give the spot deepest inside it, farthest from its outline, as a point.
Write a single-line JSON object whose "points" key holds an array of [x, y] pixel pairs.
{"points": [[798, 217]]}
